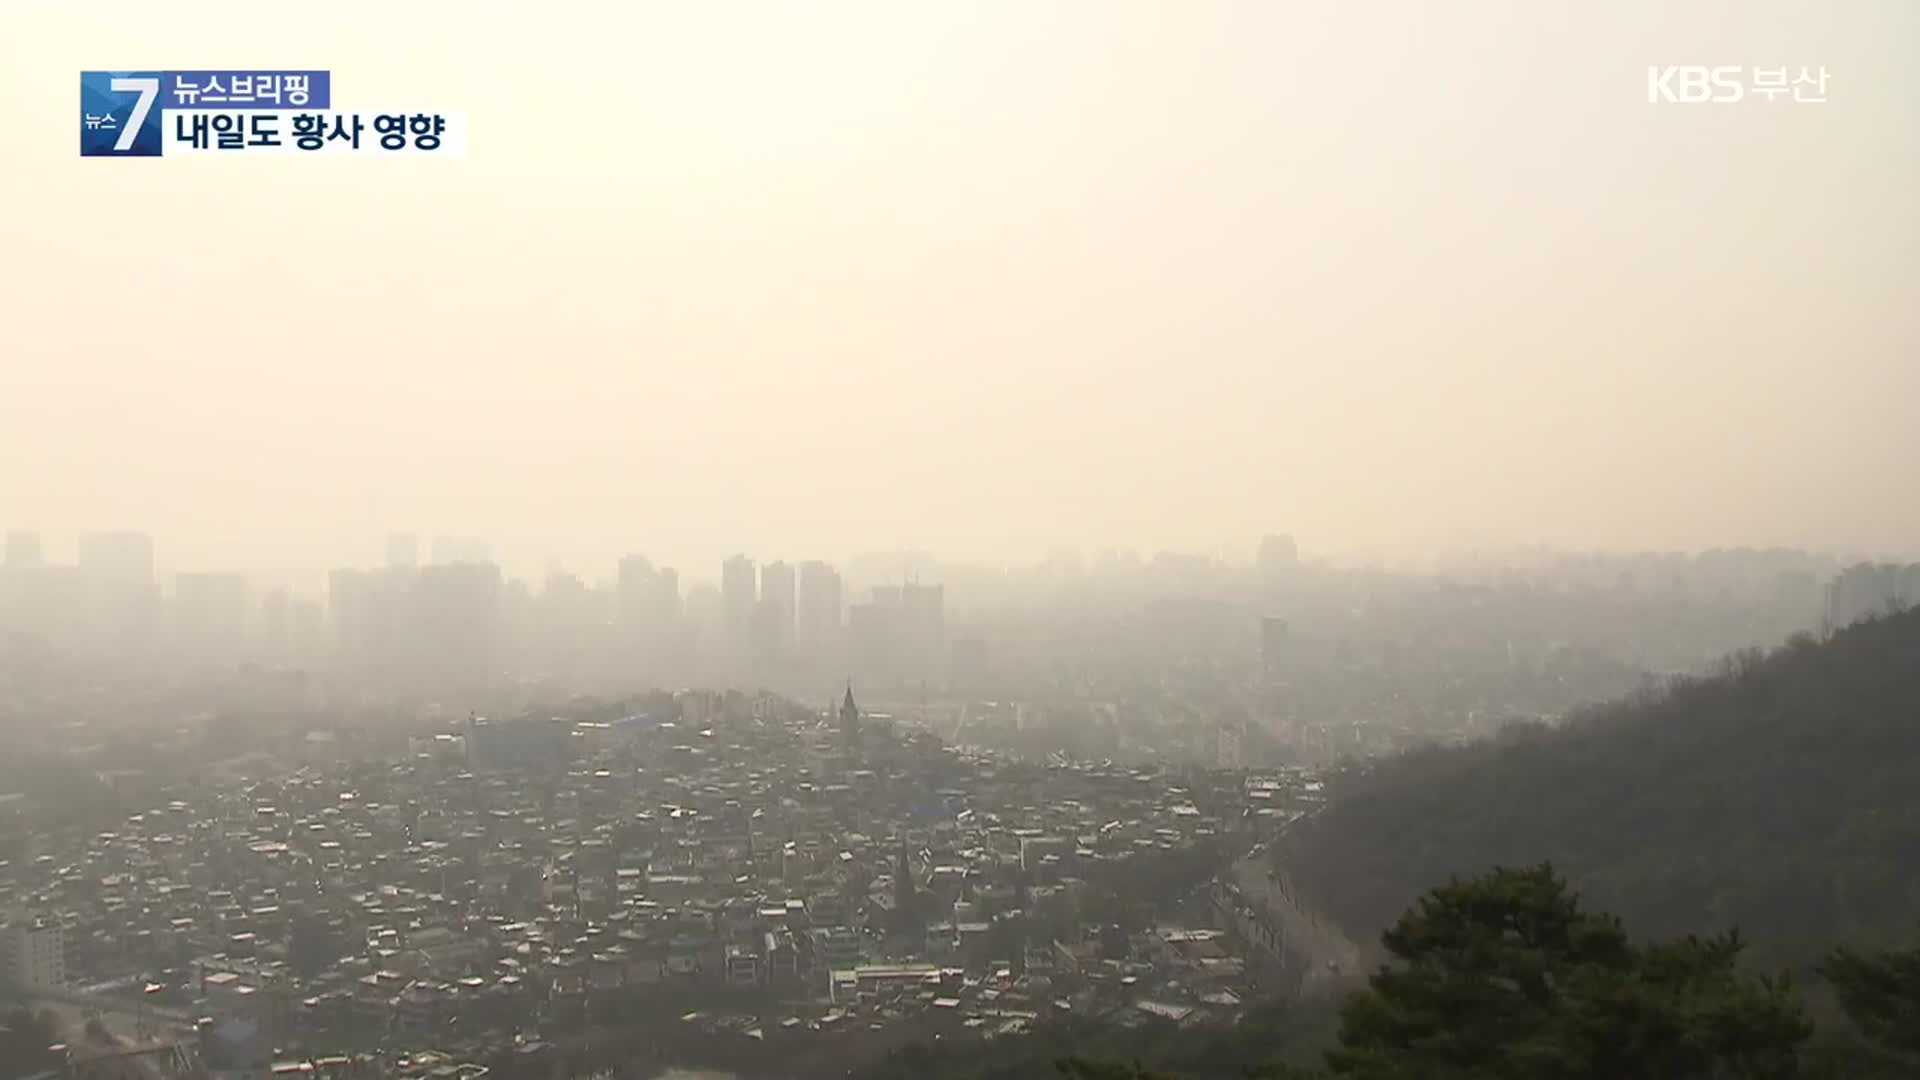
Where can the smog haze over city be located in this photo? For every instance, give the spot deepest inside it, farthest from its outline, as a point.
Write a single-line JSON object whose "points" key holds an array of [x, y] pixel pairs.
{"points": [[983, 280], [941, 540]]}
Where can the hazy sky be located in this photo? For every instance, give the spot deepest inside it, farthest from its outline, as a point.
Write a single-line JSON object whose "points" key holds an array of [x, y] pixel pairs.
{"points": [[981, 277]]}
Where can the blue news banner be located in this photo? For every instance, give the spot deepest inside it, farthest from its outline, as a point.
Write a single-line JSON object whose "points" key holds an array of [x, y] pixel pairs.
{"points": [[160, 113]]}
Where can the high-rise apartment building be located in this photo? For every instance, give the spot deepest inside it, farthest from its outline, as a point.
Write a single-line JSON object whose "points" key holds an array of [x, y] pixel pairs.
{"points": [[22, 551], [449, 550], [776, 611], [739, 597], [1869, 589], [817, 615], [456, 631]]}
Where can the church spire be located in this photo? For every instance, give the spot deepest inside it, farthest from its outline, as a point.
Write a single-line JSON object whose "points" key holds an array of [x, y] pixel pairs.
{"points": [[849, 715]]}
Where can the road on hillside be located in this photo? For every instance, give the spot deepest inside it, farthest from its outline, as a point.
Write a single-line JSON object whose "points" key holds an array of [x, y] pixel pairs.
{"points": [[1333, 960]]}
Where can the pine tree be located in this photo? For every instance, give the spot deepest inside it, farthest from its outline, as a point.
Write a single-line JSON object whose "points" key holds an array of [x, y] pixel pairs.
{"points": [[1506, 976]]}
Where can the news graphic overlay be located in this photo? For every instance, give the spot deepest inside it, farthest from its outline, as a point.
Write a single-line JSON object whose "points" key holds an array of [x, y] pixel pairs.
{"points": [[234, 113], [120, 113]]}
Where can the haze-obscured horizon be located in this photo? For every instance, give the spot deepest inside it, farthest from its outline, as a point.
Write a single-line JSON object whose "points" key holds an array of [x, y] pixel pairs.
{"points": [[979, 279]]}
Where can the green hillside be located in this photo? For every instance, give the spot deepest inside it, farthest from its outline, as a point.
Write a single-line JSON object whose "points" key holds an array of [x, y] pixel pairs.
{"points": [[1781, 796]]}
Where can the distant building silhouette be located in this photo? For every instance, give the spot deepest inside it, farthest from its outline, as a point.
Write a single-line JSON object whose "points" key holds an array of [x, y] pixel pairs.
{"points": [[1278, 555], [22, 551], [1273, 643], [647, 608], [899, 636], [817, 615], [451, 550], [456, 630], [273, 621], [1868, 589], [118, 607], [739, 596], [775, 614], [431, 634]]}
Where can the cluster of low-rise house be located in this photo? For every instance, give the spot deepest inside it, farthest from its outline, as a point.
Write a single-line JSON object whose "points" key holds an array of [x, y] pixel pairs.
{"points": [[732, 872]]}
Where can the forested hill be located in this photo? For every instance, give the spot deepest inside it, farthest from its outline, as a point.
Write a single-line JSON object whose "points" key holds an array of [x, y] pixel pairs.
{"points": [[1781, 796]]}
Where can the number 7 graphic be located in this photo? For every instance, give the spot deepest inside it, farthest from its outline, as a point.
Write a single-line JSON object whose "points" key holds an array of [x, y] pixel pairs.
{"points": [[148, 88]]}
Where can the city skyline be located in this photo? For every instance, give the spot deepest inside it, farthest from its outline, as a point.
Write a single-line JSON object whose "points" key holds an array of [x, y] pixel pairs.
{"points": [[453, 624], [44, 547]]}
